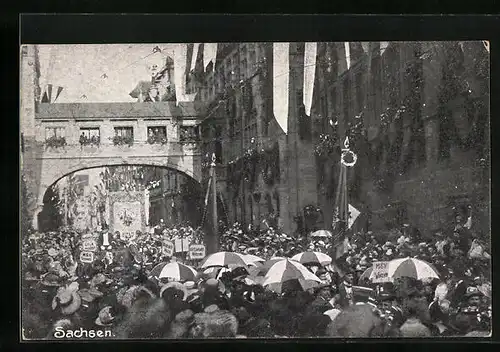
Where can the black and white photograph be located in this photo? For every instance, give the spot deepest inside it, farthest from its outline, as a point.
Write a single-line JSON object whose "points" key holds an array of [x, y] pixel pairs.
{"points": [[255, 190]]}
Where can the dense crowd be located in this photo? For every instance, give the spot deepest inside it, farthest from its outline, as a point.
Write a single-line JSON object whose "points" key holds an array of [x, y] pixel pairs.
{"points": [[118, 292]]}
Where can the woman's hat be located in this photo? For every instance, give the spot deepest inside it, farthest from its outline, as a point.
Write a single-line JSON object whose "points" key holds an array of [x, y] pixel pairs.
{"points": [[177, 286], [51, 279], [68, 300], [89, 294], [105, 317]]}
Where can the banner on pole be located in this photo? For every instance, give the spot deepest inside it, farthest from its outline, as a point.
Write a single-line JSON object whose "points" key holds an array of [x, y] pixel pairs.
{"points": [[86, 257], [380, 272], [181, 245], [197, 251], [168, 248], [89, 245]]}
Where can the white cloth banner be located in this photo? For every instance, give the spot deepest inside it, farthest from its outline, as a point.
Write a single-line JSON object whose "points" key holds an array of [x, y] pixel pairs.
{"points": [[209, 54], [281, 76], [347, 54], [383, 46], [309, 72], [195, 55], [353, 215], [180, 58], [365, 46]]}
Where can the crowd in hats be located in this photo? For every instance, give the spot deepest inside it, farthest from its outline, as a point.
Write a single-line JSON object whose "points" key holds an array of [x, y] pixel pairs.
{"points": [[263, 284]]}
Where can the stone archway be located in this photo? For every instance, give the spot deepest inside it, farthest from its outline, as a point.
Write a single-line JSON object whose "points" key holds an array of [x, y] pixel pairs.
{"points": [[53, 170]]}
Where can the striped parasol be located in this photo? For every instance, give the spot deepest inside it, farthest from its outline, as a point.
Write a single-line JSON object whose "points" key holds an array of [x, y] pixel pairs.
{"points": [[262, 270], [411, 267], [322, 234], [223, 259], [405, 267], [312, 258], [176, 271], [250, 259], [287, 270]]}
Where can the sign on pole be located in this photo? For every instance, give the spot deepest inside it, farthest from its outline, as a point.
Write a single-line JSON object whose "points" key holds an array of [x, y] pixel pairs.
{"points": [[86, 257], [89, 245], [380, 272], [181, 245], [197, 251], [168, 248]]}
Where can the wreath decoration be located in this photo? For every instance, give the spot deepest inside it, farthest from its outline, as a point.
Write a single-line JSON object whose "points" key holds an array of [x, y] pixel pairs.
{"points": [[348, 154]]}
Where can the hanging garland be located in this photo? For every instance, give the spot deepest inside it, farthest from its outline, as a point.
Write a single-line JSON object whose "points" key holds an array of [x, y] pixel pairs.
{"points": [[326, 144], [348, 158]]}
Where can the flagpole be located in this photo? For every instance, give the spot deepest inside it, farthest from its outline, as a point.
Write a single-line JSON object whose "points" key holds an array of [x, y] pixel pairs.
{"points": [[215, 239]]}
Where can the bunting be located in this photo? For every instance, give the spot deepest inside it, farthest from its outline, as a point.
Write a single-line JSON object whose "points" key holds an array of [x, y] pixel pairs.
{"points": [[281, 76], [486, 44], [59, 90], [347, 54], [209, 54], [180, 53], [353, 215], [309, 72], [194, 57], [49, 92]]}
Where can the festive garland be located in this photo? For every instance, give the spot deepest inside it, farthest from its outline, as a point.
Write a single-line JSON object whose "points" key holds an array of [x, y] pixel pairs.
{"points": [[345, 155], [56, 142], [157, 139], [326, 144], [123, 140]]}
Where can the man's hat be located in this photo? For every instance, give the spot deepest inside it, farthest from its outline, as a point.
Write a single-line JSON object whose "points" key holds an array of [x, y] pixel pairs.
{"points": [[51, 279], [105, 317], [473, 291]]}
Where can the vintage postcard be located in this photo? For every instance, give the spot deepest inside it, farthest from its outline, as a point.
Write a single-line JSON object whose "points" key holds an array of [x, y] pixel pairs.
{"points": [[255, 190]]}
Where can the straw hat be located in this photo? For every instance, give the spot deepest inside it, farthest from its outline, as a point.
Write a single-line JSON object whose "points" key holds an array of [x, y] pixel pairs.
{"points": [[51, 279], [105, 317], [68, 300]]}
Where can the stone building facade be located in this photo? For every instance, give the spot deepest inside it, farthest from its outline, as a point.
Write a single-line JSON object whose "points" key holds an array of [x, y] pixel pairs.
{"points": [[422, 111]]}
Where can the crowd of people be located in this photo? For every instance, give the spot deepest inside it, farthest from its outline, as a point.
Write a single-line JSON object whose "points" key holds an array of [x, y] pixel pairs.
{"points": [[116, 291]]}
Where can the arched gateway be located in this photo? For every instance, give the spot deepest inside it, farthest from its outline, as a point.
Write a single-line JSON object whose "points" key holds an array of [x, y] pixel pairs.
{"points": [[152, 134]]}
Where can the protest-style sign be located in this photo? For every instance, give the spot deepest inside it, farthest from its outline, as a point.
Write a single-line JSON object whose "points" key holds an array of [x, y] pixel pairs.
{"points": [[89, 245], [168, 247], [197, 251], [181, 245], [86, 257], [380, 272]]}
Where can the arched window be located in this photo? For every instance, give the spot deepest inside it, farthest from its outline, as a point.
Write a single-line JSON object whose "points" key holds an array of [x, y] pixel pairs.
{"points": [[269, 203]]}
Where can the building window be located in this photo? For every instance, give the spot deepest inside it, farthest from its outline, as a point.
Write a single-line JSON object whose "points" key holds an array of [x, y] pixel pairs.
{"points": [[54, 132], [90, 136], [244, 68], [157, 135], [55, 137], [123, 135], [377, 84], [252, 59], [189, 134]]}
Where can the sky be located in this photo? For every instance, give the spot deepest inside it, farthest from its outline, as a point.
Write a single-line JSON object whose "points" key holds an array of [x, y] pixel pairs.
{"points": [[78, 69]]}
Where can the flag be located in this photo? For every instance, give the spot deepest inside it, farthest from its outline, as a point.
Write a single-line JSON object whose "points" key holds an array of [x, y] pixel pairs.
{"points": [[49, 92], [208, 191], [180, 53], [45, 98], [59, 90], [340, 215], [209, 54], [347, 54], [281, 76], [309, 71], [353, 215], [486, 44], [194, 57]]}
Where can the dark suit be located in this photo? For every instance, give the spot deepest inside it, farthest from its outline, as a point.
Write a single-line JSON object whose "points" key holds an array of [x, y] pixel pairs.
{"points": [[345, 299]]}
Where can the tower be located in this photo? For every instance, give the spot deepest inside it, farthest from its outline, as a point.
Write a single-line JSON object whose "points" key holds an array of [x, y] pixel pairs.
{"points": [[29, 98]]}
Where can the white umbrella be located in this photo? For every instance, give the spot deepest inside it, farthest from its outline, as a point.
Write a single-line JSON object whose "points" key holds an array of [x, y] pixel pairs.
{"points": [[223, 259], [312, 257], [250, 258], [287, 270], [322, 234]]}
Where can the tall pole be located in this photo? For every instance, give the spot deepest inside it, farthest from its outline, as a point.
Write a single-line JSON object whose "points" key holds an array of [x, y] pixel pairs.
{"points": [[215, 238]]}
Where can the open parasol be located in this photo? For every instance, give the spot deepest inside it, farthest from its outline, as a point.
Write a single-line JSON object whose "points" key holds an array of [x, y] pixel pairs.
{"points": [[223, 259], [175, 270], [289, 270], [321, 234], [313, 258]]}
